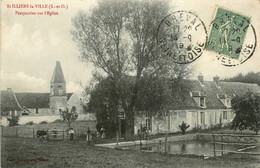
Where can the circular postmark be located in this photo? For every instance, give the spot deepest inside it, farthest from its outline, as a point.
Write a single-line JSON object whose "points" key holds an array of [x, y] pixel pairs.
{"points": [[232, 37], [182, 36]]}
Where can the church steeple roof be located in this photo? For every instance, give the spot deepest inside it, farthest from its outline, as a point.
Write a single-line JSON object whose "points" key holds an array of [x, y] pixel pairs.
{"points": [[58, 76]]}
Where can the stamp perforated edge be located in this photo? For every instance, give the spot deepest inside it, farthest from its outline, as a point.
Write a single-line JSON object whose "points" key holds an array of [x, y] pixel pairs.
{"points": [[209, 31]]}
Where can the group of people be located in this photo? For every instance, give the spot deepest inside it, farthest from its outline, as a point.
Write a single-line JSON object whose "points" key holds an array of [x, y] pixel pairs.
{"points": [[88, 135], [143, 132]]}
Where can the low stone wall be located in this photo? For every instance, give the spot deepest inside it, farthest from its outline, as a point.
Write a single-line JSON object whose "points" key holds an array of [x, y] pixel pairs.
{"points": [[231, 139], [175, 138], [187, 137], [153, 141], [36, 119]]}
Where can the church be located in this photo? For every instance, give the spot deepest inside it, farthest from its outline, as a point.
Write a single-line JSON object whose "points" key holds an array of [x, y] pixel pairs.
{"points": [[41, 104]]}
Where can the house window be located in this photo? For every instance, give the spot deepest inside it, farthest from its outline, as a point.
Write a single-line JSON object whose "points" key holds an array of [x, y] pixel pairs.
{"points": [[228, 102], [202, 117], [224, 115], [202, 102], [37, 111], [148, 124]]}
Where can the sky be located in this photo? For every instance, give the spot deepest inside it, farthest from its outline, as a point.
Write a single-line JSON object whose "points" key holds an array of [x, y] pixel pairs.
{"points": [[31, 45]]}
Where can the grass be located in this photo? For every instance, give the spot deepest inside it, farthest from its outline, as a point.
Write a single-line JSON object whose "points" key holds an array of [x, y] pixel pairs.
{"points": [[26, 153]]}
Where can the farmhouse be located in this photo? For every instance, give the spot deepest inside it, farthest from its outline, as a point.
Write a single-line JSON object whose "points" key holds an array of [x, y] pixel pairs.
{"points": [[41, 104], [204, 105]]}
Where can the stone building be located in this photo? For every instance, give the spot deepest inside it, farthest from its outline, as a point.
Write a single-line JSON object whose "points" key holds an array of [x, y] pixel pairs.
{"points": [[41, 104], [58, 95], [204, 105]]}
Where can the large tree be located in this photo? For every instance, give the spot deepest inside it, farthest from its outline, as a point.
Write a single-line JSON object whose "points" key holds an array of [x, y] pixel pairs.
{"points": [[119, 38], [247, 110], [156, 96]]}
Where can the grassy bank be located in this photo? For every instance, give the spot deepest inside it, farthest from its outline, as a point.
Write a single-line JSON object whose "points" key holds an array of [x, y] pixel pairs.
{"points": [[26, 153]]}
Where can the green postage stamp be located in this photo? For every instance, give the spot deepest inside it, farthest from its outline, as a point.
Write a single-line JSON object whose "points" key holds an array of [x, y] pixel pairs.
{"points": [[232, 37]]}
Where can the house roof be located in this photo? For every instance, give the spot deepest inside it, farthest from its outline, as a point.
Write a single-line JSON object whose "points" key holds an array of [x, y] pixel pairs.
{"points": [[25, 100], [211, 91], [69, 95], [208, 90], [33, 100], [58, 76], [8, 101]]}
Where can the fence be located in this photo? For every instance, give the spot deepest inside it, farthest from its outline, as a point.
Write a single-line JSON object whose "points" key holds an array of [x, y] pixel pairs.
{"points": [[245, 141], [25, 132]]}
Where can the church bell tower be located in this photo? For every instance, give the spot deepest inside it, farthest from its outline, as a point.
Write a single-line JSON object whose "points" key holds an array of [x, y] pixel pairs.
{"points": [[58, 95]]}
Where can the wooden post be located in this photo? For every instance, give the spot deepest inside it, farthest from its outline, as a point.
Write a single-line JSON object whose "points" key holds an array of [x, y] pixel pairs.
{"points": [[33, 133], [140, 141], [214, 145], [116, 138], [63, 135], [16, 133], [2, 131], [166, 136], [222, 146], [119, 127]]}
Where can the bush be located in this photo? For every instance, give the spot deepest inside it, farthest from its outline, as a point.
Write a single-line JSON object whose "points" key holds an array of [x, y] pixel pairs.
{"points": [[58, 121], [13, 120], [44, 122], [29, 123]]}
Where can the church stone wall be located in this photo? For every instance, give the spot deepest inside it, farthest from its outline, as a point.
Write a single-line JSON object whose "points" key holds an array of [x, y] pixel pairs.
{"points": [[75, 101], [41, 111], [58, 103]]}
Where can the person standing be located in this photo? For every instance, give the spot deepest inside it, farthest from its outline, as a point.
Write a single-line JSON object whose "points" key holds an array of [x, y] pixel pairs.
{"points": [[103, 135], [71, 133], [88, 135]]}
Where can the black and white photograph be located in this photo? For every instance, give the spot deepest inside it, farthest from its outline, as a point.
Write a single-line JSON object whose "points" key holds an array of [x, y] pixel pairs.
{"points": [[130, 84]]}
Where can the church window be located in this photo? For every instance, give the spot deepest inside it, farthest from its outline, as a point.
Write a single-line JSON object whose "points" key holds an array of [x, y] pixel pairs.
{"points": [[60, 91]]}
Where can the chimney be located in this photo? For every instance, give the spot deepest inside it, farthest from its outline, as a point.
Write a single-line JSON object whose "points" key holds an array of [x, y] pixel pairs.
{"points": [[201, 78], [216, 79]]}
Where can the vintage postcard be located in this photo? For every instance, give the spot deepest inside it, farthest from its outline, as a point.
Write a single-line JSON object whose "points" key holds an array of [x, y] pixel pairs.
{"points": [[130, 83]]}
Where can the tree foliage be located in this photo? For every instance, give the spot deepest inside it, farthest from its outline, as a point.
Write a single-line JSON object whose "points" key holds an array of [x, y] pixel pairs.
{"points": [[104, 102], [250, 77], [247, 110], [69, 116], [154, 97], [13, 120], [119, 39]]}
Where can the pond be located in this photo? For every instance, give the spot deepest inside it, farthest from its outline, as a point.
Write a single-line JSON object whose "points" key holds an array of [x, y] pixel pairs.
{"points": [[191, 147]]}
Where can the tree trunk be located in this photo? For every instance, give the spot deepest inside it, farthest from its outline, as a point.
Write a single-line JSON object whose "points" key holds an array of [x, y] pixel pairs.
{"points": [[129, 133], [130, 111], [69, 125]]}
